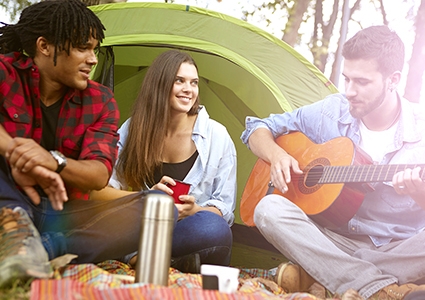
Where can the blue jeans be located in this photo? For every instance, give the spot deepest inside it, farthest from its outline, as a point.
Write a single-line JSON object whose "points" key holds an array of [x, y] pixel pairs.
{"points": [[93, 230], [205, 233]]}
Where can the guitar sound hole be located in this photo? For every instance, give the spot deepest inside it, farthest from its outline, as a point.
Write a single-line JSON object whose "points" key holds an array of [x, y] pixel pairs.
{"points": [[313, 176]]}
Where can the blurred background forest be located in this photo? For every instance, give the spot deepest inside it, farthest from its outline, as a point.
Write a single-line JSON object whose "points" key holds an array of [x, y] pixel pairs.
{"points": [[318, 28]]}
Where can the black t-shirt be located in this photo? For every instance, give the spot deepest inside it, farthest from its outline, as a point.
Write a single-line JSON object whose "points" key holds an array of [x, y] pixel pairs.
{"points": [[50, 117]]}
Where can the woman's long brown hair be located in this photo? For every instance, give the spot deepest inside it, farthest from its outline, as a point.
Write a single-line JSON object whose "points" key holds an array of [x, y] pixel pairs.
{"points": [[150, 117]]}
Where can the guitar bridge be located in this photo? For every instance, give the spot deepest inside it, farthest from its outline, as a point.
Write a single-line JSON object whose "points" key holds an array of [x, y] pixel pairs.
{"points": [[270, 188]]}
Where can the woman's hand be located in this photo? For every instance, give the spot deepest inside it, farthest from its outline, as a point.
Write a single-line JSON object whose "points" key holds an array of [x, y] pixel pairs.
{"points": [[163, 185], [188, 208]]}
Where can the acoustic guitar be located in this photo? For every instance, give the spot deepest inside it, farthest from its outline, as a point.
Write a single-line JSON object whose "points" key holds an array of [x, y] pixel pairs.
{"points": [[336, 175]]}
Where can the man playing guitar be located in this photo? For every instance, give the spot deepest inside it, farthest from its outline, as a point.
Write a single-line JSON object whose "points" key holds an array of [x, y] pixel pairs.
{"points": [[379, 250]]}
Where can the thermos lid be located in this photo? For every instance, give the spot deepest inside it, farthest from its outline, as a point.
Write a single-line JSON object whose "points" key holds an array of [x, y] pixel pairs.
{"points": [[158, 206]]}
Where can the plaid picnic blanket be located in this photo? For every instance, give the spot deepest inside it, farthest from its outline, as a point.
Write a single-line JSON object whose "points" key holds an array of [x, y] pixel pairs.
{"points": [[115, 280]]}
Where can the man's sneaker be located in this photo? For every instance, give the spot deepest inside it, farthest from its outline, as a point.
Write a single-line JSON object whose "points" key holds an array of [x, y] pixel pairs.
{"points": [[397, 292], [22, 254], [292, 278]]}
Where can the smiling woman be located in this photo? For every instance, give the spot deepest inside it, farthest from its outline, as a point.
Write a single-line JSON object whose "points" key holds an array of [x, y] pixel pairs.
{"points": [[169, 138]]}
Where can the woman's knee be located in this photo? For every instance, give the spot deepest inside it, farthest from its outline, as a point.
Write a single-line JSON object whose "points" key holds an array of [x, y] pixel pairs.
{"points": [[201, 231]]}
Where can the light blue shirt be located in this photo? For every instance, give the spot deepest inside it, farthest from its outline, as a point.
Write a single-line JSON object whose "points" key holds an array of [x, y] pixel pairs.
{"points": [[213, 175], [384, 215]]}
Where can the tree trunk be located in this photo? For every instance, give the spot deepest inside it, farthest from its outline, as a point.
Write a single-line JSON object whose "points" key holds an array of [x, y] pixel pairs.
{"points": [[290, 33], [320, 41], [416, 64], [336, 66], [383, 12]]}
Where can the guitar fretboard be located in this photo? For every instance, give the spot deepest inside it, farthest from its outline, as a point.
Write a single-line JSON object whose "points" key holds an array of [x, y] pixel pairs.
{"points": [[352, 174]]}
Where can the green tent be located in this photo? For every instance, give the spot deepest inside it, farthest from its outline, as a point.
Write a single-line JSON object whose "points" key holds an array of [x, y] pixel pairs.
{"points": [[243, 70]]}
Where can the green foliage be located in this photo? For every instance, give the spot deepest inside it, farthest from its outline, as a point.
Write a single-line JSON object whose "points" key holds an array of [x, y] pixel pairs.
{"points": [[15, 7], [267, 8]]}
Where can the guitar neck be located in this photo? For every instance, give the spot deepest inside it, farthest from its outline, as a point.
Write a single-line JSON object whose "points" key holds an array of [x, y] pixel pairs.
{"points": [[363, 173]]}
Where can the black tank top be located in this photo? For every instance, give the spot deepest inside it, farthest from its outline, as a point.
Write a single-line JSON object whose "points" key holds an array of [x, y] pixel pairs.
{"points": [[177, 170]]}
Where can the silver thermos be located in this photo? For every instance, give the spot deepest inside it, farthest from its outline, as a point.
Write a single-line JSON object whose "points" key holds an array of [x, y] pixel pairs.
{"points": [[154, 256]]}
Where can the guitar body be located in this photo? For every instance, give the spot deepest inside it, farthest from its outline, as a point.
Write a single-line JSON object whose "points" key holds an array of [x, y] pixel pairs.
{"points": [[331, 205]]}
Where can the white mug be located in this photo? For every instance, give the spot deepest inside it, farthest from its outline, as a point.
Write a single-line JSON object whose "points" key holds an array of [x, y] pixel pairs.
{"points": [[225, 279]]}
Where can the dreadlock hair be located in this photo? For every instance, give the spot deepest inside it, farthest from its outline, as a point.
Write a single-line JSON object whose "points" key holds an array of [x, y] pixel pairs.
{"points": [[64, 24]]}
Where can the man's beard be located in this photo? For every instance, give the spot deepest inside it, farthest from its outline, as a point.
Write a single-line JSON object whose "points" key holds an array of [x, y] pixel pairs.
{"points": [[369, 107]]}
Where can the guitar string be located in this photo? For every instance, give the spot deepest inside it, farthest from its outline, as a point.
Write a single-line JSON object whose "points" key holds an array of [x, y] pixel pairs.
{"points": [[316, 175]]}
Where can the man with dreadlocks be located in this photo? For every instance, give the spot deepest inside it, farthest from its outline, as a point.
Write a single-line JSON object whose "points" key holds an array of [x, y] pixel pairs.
{"points": [[58, 137]]}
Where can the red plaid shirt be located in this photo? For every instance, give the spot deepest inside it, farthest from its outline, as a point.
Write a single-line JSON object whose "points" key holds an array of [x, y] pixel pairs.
{"points": [[88, 119]]}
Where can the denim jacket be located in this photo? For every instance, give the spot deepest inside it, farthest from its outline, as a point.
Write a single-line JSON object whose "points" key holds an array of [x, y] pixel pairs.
{"points": [[384, 215], [213, 175]]}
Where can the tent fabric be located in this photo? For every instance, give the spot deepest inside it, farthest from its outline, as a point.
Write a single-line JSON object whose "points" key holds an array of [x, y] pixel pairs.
{"points": [[244, 71]]}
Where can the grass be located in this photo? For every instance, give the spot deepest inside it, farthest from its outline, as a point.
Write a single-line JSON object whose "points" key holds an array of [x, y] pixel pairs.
{"points": [[18, 291], [243, 256], [249, 251]]}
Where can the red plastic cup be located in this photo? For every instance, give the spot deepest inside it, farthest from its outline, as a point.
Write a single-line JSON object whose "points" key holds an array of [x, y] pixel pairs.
{"points": [[181, 188]]}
